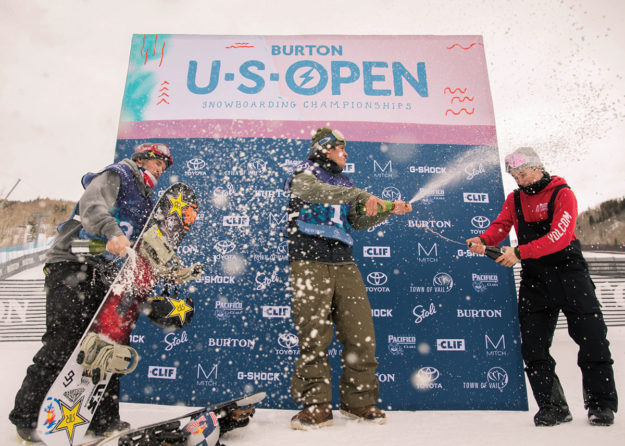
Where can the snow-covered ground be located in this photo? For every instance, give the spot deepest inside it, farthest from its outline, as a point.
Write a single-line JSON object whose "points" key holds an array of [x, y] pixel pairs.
{"points": [[425, 428]]}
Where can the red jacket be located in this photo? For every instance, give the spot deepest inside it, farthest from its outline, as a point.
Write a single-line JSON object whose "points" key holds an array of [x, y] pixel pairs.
{"points": [[535, 209]]}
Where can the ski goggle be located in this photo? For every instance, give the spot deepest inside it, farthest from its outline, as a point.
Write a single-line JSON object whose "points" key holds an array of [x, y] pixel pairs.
{"points": [[156, 150], [516, 161], [333, 139]]}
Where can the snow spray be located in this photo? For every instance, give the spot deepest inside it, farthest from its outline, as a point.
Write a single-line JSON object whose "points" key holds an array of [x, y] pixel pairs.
{"points": [[458, 172], [457, 168]]}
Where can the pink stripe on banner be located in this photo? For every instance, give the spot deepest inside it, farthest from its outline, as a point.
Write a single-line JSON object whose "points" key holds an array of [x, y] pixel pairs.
{"points": [[355, 131]]}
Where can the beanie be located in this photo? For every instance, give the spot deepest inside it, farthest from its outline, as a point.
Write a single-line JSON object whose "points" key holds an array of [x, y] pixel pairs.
{"points": [[326, 138]]}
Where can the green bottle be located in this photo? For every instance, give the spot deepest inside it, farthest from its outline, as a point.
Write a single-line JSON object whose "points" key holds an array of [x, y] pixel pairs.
{"points": [[388, 206], [93, 247]]}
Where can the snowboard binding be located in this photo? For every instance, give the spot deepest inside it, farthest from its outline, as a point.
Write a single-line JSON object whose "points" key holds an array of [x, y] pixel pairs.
{"points": [[235, 417], [99, 357]]}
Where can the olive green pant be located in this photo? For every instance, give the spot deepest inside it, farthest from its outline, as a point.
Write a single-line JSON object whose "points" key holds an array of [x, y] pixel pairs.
{"points": [[326, 294]]}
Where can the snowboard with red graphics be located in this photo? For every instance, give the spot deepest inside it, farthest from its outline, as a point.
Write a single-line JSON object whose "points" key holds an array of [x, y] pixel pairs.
{"points": [[74, 396]]}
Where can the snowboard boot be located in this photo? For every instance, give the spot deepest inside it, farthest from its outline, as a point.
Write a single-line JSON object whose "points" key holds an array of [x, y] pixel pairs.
{"points": [[313, 417], [28, 435], [551, 416], [600, 417], [100, 357], [371, 414], [557, 410]]}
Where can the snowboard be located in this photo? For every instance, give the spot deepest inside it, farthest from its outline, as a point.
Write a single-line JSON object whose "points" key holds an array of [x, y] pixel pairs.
{"points": [[74, 396], [228, 415]]}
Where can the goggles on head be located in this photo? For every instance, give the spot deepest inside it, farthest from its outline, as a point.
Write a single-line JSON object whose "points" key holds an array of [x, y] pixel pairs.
{"points": [[333, 139], [154, 150]]}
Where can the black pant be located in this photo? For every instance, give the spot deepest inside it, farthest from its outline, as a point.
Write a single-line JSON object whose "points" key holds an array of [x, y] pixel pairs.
{"points": [[74, 292], [544, 291]]}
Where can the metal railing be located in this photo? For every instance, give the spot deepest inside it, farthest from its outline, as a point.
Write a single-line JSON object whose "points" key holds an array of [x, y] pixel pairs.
{"points": [[22, 302]]}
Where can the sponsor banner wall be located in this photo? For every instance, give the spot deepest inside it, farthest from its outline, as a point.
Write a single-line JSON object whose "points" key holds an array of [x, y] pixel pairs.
{"points": [[238, 112]]}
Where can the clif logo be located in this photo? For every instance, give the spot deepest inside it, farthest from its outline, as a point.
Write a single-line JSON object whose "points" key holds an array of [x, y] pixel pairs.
{"points": [[475, 197]]}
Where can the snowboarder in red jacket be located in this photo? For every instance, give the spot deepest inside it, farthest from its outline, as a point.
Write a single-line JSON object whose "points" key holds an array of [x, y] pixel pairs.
{"points": [[554, 277]]}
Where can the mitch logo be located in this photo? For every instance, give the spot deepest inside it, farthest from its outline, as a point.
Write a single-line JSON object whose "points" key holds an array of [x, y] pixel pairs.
{"points": [[495, 348], [377, 167], [205, 378], [277, 219], [376, 251], [161, 372]]}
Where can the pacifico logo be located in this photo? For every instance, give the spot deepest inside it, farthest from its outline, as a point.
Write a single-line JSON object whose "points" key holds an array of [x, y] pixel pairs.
{"points": [[481, 282]]}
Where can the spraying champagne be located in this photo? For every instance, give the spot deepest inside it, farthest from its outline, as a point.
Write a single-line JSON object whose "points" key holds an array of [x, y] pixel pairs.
{"points": [[494, 252]]}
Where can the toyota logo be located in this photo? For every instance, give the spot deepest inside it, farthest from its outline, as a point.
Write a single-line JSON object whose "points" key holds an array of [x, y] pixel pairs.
{"points": [[480, 222], [428, 374], [377, 278], [196, 164], [224, 246], [443, 280], [391, 193], [288, 340]]}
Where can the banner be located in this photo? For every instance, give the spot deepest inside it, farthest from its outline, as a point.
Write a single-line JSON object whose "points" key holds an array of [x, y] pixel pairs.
{"points": [[238, 113]]}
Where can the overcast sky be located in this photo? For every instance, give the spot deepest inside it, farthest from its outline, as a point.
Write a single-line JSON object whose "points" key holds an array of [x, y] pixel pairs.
{"points": [[556, 72]]}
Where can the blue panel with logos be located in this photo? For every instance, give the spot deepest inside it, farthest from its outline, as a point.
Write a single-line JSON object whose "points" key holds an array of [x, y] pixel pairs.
{"points": [[446, 320]]}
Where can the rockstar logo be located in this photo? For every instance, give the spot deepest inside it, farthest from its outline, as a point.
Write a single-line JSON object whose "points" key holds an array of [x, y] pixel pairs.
{"points": [[177, 204], [180, 309], [70, 420]]}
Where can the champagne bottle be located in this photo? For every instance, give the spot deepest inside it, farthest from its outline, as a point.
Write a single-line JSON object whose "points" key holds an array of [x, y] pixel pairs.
{"points": [[493, 251], [388, 206], [93, 247]]}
